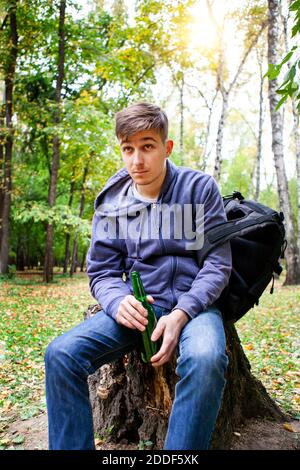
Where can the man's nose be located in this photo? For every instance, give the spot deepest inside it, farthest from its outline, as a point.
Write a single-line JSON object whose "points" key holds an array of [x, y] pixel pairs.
{"points": [[138, 158]]}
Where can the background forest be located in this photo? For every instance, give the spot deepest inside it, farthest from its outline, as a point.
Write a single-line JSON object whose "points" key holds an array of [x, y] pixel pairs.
{"points": [[228, 75], [67, 67]]}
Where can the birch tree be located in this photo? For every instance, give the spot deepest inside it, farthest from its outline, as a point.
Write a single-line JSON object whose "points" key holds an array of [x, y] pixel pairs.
{"points": [[296, 135], [292, 276], [260, 124], [225, 90]]}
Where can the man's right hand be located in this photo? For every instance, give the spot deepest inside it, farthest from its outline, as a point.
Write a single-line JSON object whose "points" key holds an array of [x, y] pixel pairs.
{"points": [[132, 314]]}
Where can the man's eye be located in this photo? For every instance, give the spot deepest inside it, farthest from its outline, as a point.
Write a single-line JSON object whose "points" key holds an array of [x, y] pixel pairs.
{"points": [[148, 146], [127, 149]]}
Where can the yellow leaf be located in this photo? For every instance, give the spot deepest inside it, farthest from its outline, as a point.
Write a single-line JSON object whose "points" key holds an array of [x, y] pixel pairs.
{"points": [[288, 427], [98, 442]]}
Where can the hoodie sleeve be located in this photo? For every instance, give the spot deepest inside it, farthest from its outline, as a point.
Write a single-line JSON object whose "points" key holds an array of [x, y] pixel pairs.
{"points": [[214, 275], [105, 267]]}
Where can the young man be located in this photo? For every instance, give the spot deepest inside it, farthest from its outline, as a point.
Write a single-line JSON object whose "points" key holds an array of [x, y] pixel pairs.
{"points": [[148, 218]]}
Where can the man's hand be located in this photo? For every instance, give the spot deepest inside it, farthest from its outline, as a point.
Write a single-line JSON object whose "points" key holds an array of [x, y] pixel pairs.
{"points": [[170, 327], [132, 314]]}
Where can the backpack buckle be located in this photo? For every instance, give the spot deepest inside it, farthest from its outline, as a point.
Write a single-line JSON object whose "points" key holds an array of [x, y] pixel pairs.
{"points": [[237, 195]]}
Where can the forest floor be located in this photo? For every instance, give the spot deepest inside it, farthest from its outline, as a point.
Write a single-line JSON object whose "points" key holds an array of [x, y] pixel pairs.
{"points": [[33, 313], [256, 435]]}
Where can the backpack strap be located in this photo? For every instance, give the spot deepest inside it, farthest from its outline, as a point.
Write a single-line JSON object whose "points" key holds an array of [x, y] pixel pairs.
{"points": [[228, 230]]}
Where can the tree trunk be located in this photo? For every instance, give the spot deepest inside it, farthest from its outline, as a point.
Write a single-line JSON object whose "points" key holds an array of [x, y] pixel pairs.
{"points": [[297, 145], [293, 275], [131, 400], [48, 266], [68, 236], [219, 142], [83, 261], [81, 209], [74, 257], [202, 162], [2, 140], [296, 133], [181, 89], [1, 180], [260, 129], [8, 144]]}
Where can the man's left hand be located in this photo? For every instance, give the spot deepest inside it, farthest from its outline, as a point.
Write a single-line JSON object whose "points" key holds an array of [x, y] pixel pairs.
{"points": [[170, 327]]}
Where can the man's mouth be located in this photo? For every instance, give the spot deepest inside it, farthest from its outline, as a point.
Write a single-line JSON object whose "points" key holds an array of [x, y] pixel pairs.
{"points": [[139, 172]]}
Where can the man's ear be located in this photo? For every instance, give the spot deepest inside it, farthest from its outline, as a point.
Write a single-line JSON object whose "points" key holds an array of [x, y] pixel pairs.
{"points": [[169, 147]]}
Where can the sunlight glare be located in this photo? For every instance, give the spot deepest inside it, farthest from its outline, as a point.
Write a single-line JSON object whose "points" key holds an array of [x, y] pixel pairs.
{"points": [[202, 32]]}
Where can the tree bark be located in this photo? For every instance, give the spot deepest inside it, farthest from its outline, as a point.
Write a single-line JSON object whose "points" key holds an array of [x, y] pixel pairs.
{"points": [[81, 209], [220, 133], [260, 129], [83, 261], [68, 235], [132, 401], [1, 177], [296, 132], [48, 266], [292, 268], [202, 162], [297, 145], [8, 140], [2, 140], [181, 105]]}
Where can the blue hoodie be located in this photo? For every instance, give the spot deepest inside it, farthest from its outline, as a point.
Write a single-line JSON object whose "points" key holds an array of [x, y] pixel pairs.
{"points": [[169, 264]]}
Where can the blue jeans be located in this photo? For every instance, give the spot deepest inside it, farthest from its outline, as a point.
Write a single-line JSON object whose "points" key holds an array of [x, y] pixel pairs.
{"points": [[201, 365]]}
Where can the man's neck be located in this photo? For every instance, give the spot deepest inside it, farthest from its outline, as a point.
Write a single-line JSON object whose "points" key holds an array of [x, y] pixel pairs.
{"points": [[152, 190]]}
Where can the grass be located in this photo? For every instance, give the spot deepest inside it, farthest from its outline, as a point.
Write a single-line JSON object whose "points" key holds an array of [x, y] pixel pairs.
{"points": [[33, 313], [271, 341]]}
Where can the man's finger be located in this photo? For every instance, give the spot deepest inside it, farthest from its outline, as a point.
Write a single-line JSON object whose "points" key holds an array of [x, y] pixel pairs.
{"points": [[137, 305], [158, 331], [163, 359], [150, 298], [135, 314], [136, 324], [122, 321], [162, 352]]}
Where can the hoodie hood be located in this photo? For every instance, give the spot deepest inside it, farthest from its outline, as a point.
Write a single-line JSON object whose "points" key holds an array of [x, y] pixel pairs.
{"points": [[115, 198]]}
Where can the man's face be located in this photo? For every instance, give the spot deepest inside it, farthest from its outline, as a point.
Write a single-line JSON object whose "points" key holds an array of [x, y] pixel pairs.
{"points": [[144, 155]]}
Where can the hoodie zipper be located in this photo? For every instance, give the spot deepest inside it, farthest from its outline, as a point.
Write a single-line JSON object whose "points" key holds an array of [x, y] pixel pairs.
{"points": [[173, 259]]}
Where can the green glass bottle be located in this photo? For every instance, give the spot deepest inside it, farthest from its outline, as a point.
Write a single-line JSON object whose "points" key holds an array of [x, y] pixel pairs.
{"points": [[150, 347]]}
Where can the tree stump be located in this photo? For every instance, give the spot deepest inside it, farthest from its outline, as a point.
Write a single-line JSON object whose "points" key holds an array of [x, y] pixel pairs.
{"points": [[131, 401]]}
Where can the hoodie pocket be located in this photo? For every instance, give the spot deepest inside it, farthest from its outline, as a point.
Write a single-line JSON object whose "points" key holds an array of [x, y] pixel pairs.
{"points": [[187, 270]]}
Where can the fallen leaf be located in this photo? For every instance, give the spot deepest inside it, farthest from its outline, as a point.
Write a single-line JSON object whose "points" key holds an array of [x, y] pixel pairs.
{"points": [[98, 442], [18, 440], [5, 442], [288, 427]]}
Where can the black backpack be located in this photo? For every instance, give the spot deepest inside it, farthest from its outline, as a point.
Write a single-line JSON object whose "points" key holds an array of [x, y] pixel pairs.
{"points": [[257, 237]]}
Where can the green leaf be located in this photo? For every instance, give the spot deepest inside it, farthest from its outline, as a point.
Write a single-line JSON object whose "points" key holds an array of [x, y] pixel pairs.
{"points": [[272, 72], [283, 99], [295, 6], [288, 56], [18, 440]]}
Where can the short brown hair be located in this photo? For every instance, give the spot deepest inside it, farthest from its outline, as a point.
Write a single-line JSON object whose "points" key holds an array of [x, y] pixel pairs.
{"points": [[141, 117]]}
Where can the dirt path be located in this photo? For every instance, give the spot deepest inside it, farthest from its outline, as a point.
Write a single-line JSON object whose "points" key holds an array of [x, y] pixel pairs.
{"points": [[257, 435]]}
